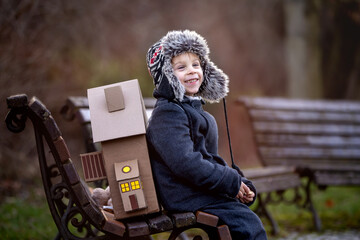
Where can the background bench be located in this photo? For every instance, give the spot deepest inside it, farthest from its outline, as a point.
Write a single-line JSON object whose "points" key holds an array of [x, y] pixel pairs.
{"points": [[320, 138], [74, 212]]}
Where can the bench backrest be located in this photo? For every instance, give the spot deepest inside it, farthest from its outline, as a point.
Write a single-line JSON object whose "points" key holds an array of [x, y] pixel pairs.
{"points": [[323, 134], [68, 197]]}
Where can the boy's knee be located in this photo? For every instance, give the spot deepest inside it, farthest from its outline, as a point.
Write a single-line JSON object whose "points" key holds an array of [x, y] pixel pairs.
{"points": [[250, 233]]}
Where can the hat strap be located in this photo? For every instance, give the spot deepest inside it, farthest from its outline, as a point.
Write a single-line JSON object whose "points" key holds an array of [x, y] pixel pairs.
{"points": [[233, 165]]}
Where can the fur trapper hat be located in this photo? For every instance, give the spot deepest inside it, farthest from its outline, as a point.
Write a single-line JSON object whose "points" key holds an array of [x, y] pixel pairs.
{"points": [[174, 43]]}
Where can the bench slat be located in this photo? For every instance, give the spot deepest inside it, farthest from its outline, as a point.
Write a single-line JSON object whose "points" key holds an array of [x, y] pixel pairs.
{"points": [[62, 149], [183, 219], [83, 115], [300, 104], [303, 116], [72, 105], [337, 178], [52, 128], [113, 226], [308, 152], [81, 194], [160, 223], [298, 128], [224, 232], [136, 229], [253, 173], [207, 219], [94, 214], [276, 183], [71, 173], [45, 115], [317, 165], [305, 140], [77, 102]]}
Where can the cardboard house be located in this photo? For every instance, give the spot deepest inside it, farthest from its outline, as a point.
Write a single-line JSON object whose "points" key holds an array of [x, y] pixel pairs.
{"points": [[131, 191], [118, 122]]}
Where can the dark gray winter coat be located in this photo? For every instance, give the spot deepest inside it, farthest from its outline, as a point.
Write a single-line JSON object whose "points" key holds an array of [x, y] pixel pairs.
{"points": [[189, 174]]}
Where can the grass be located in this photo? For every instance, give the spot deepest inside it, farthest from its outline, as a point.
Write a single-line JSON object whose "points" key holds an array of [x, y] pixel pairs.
{"points": [[338, 207], [22, 219]]}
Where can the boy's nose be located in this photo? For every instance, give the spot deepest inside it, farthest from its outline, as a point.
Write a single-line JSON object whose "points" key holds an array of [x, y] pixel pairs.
{"points": [[191, 69]]}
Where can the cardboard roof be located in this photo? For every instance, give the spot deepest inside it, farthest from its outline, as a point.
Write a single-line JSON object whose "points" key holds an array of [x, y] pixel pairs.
{"points": [[126, 170], [120, 123]]}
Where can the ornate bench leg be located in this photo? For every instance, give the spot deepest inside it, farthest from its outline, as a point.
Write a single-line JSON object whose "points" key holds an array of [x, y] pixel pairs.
{"points": [[58, 236], [183, 236], [178, 232], [264, 210], [309, 204]]}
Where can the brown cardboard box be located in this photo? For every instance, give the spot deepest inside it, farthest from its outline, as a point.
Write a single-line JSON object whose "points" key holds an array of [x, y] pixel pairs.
{"points": [[125, 149], [121, 130]]}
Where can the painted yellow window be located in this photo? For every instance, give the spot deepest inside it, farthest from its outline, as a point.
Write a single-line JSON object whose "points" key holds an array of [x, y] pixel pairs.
{"points": [[135, 185], [125, 187]]}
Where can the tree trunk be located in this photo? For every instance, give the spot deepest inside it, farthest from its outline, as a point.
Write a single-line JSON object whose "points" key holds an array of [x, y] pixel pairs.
{"points": [[302, 48]]}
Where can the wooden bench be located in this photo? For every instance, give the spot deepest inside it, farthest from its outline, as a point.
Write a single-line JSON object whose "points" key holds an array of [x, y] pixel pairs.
{"points": [[267, 180], [320, 138], [74, 212]]}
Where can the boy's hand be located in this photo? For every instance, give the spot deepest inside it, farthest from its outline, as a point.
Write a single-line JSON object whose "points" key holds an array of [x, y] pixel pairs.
{"points": [[245, 195]]}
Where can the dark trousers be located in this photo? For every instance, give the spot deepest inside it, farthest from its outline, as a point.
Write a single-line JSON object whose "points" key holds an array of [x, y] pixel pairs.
{"points": [[242, 221]]}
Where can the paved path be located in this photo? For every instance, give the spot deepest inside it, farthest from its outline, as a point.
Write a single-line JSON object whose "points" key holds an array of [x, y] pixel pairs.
{"points": [[327, 235]]}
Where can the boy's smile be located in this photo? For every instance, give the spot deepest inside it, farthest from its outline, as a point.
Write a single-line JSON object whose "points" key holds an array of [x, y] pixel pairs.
{"points": [[188, 70]]}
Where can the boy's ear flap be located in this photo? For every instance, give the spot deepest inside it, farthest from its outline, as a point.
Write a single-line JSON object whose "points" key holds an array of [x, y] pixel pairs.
{"points": [[215, 84], [114, 99]]}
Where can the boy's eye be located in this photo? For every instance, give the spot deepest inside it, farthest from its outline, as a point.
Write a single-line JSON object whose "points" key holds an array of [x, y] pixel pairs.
{"points": [[180, 67]]}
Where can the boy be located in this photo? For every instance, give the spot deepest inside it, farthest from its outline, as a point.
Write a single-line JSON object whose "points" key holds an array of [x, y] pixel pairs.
{"points": [[188, 172]]}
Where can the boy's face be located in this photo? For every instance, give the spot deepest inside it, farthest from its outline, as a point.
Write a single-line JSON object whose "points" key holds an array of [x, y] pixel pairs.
{"points": [[187, 69]]}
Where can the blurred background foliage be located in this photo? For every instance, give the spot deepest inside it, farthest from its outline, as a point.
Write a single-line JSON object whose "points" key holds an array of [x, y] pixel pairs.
{"points": [[57, 48]]}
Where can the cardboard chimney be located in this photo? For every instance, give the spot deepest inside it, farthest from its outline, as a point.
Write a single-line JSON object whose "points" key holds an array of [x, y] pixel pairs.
{"points": [[118, 122]]}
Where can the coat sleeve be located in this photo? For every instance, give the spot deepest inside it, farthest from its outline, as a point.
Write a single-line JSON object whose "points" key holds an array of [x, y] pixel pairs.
{"points": [[169, 135]]}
